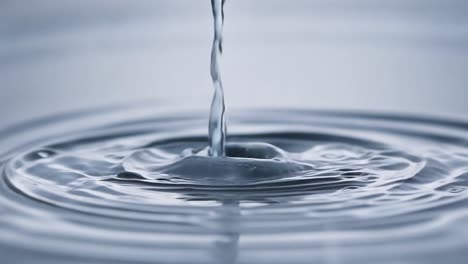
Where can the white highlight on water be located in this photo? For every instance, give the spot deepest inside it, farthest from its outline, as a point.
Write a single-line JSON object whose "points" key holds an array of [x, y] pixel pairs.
{"points": [[217, 123]]}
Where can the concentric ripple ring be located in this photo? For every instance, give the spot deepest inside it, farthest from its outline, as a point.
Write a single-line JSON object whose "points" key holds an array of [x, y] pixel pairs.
{"points": [[136, 185]]}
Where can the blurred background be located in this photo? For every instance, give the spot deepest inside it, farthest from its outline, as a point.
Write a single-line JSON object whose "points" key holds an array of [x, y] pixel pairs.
{"points": [[404, 56]]}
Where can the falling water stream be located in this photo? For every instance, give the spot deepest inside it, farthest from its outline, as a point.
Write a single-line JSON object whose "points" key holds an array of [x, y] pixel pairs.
{"points": [[217, 127]]}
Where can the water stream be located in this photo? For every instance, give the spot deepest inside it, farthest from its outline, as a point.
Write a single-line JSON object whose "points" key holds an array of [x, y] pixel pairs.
{"points": [[217, 124]]}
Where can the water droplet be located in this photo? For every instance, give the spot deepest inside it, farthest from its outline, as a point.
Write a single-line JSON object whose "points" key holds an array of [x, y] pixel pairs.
{"points": [[40, 154]]}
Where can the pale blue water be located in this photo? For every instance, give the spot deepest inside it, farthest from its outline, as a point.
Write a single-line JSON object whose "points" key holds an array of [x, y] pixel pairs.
{"points": [[134, 183], [138, 186]]}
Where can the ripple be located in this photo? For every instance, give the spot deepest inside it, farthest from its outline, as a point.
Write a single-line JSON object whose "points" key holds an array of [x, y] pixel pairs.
{"points": [[142, 186]]}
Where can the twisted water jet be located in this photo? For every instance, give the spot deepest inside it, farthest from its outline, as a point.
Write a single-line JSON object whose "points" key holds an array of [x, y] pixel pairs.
{"points": [[217, 123]]}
